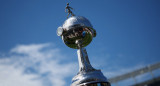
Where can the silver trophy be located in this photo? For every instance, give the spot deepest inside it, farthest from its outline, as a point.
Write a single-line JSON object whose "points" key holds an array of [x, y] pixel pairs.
{"points": [[77, 32]]}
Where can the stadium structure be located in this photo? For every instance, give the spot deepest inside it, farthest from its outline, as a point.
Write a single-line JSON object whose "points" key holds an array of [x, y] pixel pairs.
{"points": [[153, 81]]}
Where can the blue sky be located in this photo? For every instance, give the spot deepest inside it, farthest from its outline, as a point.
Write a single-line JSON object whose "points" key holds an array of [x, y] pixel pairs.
{"points": [[127, 38]]}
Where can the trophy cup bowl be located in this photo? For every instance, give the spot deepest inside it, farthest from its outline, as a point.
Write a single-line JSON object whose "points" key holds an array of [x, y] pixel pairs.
{"points": [[76, 28]]}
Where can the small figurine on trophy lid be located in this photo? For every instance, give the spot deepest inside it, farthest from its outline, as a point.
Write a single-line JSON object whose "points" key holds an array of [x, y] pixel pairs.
{"points": [[69, 10], [77, 32]]}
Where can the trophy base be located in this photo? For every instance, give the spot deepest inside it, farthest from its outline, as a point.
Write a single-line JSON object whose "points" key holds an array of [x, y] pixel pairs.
{"points": [[98, 84], [90, 78]]}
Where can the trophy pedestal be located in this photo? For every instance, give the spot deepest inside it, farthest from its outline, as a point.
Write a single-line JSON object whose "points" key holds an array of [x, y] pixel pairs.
{"points": [[87, 75], [92, 78]]}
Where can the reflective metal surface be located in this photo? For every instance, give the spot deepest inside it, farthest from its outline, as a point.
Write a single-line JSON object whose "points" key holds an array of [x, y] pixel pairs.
{"points": [[88, 77], [84, 64], [76, 20], [76, 28], [77, 32], [59, 31], [87, 74], [96, 84]]}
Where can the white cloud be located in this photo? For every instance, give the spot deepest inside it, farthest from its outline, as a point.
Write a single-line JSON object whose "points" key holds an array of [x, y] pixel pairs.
{"points": [[10, 76], [34, 65]]}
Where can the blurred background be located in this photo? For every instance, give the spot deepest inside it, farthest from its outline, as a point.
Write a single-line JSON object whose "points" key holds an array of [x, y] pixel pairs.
{"points": [[31, 54]]}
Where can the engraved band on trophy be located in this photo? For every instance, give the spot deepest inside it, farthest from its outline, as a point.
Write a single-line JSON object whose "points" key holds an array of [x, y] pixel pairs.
{"points": [[77, 32]]}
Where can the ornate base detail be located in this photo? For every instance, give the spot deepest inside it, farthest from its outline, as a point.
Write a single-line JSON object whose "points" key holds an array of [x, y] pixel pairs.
{"points": [[84, 78]]}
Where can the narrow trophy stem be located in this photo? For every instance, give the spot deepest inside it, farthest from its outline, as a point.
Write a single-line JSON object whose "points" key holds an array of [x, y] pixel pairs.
{"points": [[87, 76], [84, 63]]}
